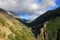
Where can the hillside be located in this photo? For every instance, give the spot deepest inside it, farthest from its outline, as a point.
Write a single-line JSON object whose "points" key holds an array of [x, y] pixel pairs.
{"points": [[53, 29], [47, 26], [53, 26], [12, 29]]}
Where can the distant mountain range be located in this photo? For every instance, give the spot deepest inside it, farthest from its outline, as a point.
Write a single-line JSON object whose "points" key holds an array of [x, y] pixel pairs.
{"points": [[13, 14], [25, 20]]}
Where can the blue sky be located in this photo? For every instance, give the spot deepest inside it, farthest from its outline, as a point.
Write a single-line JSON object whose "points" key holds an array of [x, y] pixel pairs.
{"points": [[29, 9], [51, 8], [58, 2]]}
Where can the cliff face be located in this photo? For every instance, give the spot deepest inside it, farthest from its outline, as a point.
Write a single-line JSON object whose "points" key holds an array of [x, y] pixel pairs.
{"points": [[12, 29]]}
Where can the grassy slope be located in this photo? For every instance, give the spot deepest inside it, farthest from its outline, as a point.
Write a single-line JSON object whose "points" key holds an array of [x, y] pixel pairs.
{"points": [[52, 29], [11, 29]]}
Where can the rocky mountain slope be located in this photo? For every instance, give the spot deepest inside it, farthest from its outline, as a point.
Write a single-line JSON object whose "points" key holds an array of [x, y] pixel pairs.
{"points": [[12, 29]]}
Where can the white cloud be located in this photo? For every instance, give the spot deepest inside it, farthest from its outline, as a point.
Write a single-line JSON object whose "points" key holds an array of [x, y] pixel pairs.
{"points": [[27, 5]]}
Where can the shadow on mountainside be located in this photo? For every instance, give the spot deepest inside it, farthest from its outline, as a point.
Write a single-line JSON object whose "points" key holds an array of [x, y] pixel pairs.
{"points": [[38, 23], [58, 35]]}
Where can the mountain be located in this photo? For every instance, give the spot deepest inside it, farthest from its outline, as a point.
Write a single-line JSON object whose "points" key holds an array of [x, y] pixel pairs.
{"points": [[47, 25], [39, 24], [12, 29], [26, 21], [53, 27], [13, 14]]}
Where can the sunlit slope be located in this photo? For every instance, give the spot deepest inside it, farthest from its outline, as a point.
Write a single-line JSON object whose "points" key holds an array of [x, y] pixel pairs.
{"points": [[11, 29]]}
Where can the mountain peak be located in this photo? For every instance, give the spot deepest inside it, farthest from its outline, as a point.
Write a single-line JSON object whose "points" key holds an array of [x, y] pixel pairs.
{"points": [[2, 10]]}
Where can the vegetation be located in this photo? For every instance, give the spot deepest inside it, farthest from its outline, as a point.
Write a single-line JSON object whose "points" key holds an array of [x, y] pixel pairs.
{"points": [[52, 29], [12, 29]]}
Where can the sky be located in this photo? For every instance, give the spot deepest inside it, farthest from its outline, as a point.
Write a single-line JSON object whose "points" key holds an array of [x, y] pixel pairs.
{"points": [[29, 9]]}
